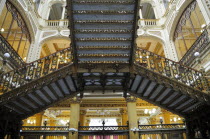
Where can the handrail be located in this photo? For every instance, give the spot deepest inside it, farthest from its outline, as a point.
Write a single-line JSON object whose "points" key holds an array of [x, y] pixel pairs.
{"points": [[162, 126], [171, 69], [198, 46], [35, 70], [5, 47], [45, 128], [103, 128]]}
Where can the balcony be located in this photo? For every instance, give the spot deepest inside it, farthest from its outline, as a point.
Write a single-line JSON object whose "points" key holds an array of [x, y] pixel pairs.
{"points": [[57, 23], [148, 22]]}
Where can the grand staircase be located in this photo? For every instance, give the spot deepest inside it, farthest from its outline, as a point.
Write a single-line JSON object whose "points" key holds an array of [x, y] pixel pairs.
{"points": [[103, 56], [103, 31]]}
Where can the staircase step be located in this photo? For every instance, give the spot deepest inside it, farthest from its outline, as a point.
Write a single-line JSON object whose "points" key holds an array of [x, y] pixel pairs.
{"points": [[104, 35], [104, 12], [111, 48], [103, 26], [104, 18], [107, 31]]}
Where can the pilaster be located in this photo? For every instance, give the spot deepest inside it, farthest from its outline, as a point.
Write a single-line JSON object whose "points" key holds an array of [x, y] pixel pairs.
{"points": [[132, 116], [2, 3], [74, 117]]}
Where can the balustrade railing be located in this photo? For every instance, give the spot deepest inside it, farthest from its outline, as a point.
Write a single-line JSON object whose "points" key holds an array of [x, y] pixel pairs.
{"points": [[15, 59], [103, 128], [45, 128], [148, 22], [57, 23], [162, 126], [200, 45], [171, 69], [35, 70]]}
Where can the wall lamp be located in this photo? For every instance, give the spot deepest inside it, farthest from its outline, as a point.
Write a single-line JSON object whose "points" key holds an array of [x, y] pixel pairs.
{"points": [[73, 130], [5, 57], [135, 130]]}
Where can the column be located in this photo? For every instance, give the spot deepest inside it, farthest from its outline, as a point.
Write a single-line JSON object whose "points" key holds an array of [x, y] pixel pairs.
{"points": [[124, 116], [205, 10], [39, 119], [63, 12], [2, 3], [62, 16], [74, 117], [132, 116], [82, 117], [166, 116]]}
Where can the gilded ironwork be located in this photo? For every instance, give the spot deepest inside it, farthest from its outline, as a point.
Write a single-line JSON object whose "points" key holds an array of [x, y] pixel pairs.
{"points": [[35, 70], [200, 46], [17, 16], [171, 69]]}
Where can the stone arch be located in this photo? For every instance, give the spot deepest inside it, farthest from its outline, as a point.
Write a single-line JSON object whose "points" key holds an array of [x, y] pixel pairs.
{"points": [[57, 42], [178, 14], [151, 43]]}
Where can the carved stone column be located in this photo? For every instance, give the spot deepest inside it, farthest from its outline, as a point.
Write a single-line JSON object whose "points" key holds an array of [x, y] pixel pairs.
{"points": [[74, 117], [132, 116], [204, 6], [2, 3]]}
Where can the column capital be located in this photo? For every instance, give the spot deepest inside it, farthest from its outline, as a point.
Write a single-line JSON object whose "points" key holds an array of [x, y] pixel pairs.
{"points": [[75, 100], [131, 99], [123, 111], [83, 112]]}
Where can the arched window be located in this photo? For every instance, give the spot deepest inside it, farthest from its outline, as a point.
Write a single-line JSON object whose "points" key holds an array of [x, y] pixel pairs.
{"points": [[148, 11], [188, 29], [56, 11], [14, 30]]}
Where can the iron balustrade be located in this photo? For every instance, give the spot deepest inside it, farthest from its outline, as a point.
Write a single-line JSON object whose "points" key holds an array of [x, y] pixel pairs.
{"points": [[200, 45], [171, 69], [45, 128], [15, 59], [162, 126], [88, 128], [35, 70]]}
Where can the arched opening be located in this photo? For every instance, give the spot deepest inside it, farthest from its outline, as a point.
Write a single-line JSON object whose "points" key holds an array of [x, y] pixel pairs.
{"points": [[54, 45], [14, 30], [56, 11], [190, 26], [147, 11], [151, 44]]}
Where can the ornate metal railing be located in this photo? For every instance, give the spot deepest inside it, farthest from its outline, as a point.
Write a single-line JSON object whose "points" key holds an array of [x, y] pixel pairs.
{"points": [[15, 60], [200, 45], [35, 70], [171, 69], [88, 128], [45, 128], [162, 126]]}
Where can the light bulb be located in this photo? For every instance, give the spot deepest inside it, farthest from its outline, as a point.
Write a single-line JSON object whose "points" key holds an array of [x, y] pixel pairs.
{"points": [[146, 111], [196, 54], [7, 55]]}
